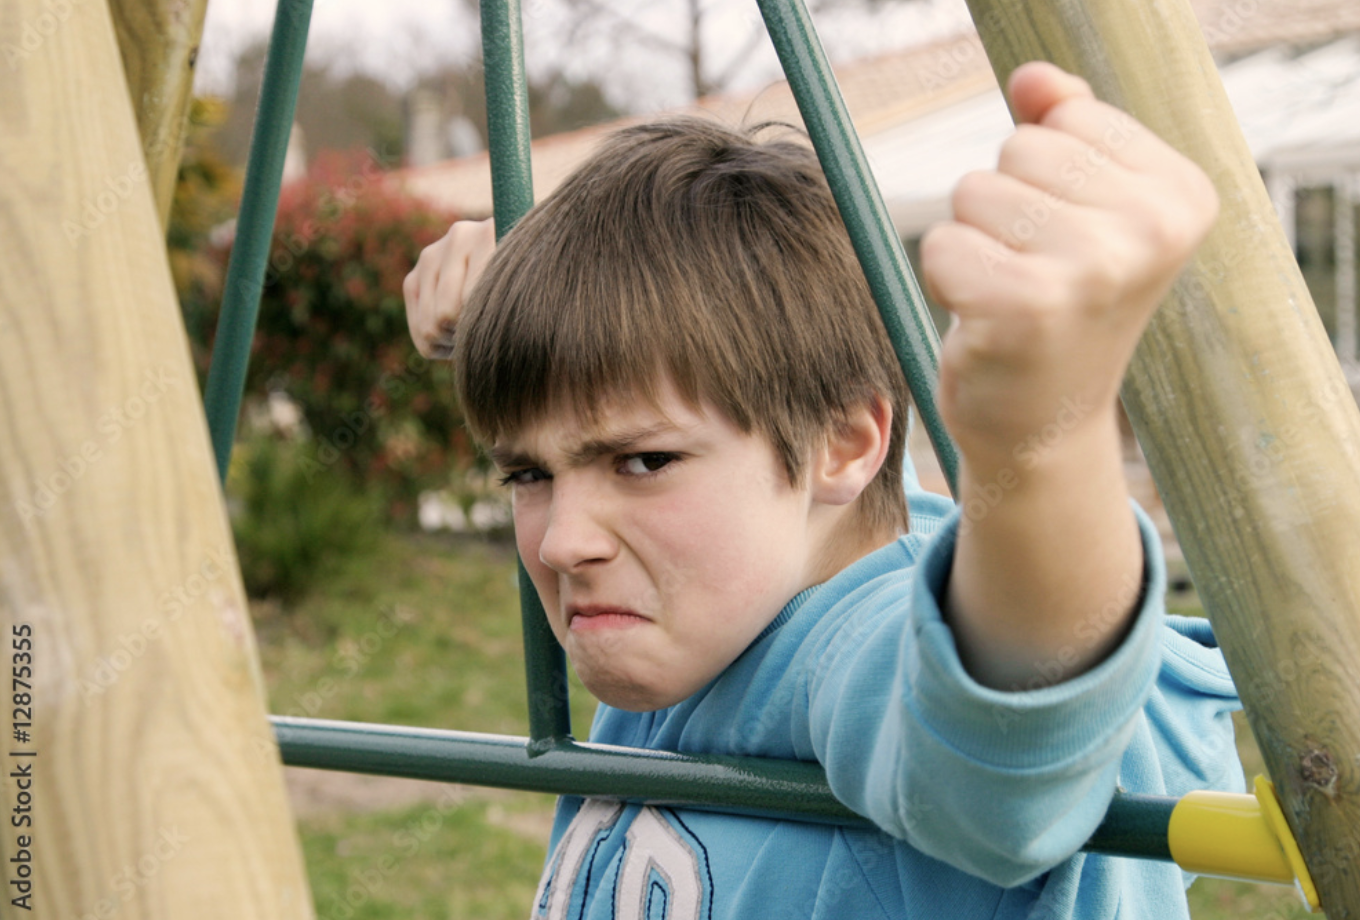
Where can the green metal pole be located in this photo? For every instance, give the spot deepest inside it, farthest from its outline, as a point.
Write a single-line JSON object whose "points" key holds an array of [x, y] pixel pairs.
{"points": [[876, 242], [255, 225], [1135, 825], [507, 112], [512, 189], [545, 672], [782, 788]]}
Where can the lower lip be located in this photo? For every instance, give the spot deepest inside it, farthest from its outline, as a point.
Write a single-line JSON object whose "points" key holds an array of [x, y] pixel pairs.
{"points": [[605, 621]]}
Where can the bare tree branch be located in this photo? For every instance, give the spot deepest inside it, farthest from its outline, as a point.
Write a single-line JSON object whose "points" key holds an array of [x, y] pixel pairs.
{"points": [[739, 59], [595, 11]]}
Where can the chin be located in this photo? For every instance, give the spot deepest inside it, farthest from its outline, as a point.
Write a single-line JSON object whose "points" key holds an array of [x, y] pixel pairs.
{"points": [[632, 697]]}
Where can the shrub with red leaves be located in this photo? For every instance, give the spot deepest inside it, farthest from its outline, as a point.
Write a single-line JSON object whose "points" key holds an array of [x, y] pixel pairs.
{"points": [[332, 334]]}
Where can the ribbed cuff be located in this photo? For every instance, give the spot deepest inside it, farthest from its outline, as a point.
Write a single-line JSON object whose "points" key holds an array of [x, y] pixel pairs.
{"points": [[1028, 729]]}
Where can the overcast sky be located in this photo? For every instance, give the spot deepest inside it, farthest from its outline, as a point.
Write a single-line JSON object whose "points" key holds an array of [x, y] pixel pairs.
{"points": [[399, 39]]}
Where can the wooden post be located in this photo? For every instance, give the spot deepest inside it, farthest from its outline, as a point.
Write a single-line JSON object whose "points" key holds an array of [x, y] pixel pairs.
{"points": [[158, 40], [1248, 425], [139, 758]]}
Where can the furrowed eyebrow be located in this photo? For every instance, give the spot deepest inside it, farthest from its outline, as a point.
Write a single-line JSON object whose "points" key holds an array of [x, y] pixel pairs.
{"points": [[618, 442], [508, 458]]}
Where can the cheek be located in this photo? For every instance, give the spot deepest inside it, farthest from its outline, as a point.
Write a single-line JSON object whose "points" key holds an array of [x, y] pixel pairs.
{"points": [[528, 530], [732, 547]]}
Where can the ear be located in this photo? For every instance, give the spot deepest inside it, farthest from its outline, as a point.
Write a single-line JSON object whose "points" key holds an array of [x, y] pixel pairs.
{"points": [[852, 453]]}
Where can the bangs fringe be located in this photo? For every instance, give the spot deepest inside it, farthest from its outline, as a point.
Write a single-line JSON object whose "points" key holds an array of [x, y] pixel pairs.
{"points": [[684, 253]]}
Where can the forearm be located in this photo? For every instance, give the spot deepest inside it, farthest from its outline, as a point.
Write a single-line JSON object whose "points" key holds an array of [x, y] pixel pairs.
{"points": [[1001, 784], [1048, 566]]}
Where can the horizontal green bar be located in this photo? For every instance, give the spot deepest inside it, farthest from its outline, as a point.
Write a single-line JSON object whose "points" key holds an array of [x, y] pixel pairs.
{"points": [[773, 788], [1135, 825], [789, 789]]}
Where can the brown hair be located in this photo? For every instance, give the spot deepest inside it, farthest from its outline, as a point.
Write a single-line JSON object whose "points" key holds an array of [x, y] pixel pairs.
{"points": [[687, 250]]}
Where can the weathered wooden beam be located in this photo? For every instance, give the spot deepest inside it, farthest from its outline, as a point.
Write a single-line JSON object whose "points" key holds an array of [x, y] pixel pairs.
{"points": [[158, 40], [1248, 425], [152, 785]]}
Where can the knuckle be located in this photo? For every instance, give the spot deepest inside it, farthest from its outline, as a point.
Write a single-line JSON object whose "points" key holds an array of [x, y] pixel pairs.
{"points": [[1054, 292], [930, 241], [935, 247], [971, 191], [1019, 147], [1179, 212], [467, 233], [1108, 270], [1171, 230], [1075, 113]]}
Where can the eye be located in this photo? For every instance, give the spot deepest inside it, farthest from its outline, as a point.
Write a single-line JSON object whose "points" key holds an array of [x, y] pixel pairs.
{"points": [[646, 464], [524, 477]]}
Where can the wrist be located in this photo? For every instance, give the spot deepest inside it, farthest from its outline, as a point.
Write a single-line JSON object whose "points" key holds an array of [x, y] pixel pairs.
{"points": [[1044, 542], [1080, 444]]}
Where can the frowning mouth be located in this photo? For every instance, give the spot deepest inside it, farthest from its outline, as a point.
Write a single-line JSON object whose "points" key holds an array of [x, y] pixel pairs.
{"points": [[601, 616]]}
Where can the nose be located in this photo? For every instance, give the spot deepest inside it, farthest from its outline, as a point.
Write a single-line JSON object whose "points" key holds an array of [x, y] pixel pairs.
{"points": [[577, 534]]}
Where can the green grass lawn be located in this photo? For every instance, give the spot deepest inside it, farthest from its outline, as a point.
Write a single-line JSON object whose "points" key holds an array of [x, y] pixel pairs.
{"points": [[425, 631]]}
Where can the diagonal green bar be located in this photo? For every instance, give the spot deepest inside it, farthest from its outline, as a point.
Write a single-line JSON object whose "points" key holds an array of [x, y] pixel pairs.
{"points": [[1134, 826], [255, 225], [876, 242], [512, 189]]}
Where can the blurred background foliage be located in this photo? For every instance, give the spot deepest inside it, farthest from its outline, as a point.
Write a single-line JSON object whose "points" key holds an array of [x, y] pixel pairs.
{"points": [[332, 335], [294, 527], [344, 424], [344, 109], [207, 196]]}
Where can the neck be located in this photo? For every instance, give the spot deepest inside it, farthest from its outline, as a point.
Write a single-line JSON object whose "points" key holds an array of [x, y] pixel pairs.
{"points": [[847, 541]]}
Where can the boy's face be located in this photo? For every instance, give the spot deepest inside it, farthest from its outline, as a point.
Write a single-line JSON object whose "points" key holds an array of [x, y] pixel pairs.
{"points": [[661, 540]]}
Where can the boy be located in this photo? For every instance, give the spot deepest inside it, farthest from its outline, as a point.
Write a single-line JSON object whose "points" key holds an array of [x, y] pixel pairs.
{"points": [[677, 366]]}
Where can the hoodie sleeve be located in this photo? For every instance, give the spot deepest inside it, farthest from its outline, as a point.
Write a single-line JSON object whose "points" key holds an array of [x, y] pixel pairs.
{"points": [[1004, 785]]}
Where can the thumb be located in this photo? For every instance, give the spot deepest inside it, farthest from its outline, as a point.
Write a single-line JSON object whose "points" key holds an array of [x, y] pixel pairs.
{"points": [[1038, 86]]}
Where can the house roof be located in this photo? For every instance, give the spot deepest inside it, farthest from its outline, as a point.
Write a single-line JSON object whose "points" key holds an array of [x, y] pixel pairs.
{"points": [[931, 113], [1299, 112], [879, 91]]}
